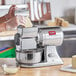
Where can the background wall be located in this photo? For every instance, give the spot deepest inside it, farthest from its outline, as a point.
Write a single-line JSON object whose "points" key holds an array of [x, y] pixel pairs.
{"points": [[64, 8]]}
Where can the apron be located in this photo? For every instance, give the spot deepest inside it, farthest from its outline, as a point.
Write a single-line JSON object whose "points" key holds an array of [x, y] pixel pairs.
{"points": [[2, 2], [39, 11]]}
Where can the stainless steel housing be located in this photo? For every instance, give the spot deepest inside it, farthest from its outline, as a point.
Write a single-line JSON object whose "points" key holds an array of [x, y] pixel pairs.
{"points": [[54, 39], [30, 57]]}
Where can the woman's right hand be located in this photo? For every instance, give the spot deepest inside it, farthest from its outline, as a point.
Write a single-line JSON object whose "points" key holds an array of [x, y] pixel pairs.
{"points": [[11, 12]]}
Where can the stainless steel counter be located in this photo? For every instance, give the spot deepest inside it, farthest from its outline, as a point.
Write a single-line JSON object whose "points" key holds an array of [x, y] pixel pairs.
{"points": [[69, 28], [68, 48]]}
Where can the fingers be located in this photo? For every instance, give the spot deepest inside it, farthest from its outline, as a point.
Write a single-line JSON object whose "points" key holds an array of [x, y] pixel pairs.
{"points": [[12, 10]]}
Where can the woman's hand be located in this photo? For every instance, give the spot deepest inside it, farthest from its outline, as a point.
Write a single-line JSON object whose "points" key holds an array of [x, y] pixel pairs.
{"points": [[6, 17], [11, 12]]}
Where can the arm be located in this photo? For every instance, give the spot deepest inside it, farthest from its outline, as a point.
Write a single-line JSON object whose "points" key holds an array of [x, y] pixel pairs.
{"points": [[3, 19], [9, 15]]}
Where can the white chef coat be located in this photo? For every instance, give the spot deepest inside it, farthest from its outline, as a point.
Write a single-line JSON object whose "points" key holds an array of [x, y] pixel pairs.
{"points": [[16, 1], [0, 2]]}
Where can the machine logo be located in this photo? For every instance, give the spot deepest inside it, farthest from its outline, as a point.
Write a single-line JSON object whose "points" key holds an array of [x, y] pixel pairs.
{"points": [[52, 32]]}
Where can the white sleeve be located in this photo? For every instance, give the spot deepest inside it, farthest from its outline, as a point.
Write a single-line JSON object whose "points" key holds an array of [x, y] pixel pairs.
{"points": [[14, 1], [0, 2], [26, 1], [53, 9]]}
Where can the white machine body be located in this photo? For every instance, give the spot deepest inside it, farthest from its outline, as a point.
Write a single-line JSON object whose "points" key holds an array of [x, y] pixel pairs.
{"points": [[36, 46]]}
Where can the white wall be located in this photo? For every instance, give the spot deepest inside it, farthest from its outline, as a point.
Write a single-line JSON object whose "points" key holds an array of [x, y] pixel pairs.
{"points": [[64, 8]]}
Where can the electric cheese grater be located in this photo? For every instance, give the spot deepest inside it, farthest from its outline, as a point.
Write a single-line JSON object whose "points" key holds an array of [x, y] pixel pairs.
{"points": [[36, 46]]}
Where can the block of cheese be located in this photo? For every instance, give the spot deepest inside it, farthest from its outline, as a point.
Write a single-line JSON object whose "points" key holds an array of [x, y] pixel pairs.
{"points": [[59, 21], [56, 21], [65, 23], [28, 22], [50, 23], [10, 69], [74, 62]]}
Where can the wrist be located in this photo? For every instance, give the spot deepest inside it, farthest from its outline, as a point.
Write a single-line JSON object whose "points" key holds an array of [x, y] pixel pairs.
{"points": [[7, 17]]}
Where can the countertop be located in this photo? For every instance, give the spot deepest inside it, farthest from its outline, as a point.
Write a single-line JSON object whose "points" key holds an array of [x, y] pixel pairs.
{"points": [[43, 71], [71, 27]]}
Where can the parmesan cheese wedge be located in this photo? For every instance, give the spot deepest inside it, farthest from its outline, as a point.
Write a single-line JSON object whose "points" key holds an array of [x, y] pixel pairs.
{"points": [[9, 70]]}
